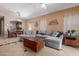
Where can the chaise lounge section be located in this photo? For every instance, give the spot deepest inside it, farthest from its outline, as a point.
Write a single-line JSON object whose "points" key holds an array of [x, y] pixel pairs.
{"points": [[54, 42], [53, 39]]}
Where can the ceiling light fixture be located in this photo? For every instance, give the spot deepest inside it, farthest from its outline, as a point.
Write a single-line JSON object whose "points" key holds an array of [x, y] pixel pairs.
{"points": [[43, 6], [18, 16]]}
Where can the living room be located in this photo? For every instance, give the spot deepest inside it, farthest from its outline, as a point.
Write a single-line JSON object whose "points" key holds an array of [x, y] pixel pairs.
{"points": [[40, 29]]}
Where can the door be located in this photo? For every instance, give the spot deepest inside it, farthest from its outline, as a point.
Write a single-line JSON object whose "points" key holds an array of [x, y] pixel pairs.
{"points": [[1, 26]]}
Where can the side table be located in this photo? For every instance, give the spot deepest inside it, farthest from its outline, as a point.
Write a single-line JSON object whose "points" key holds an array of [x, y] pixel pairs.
{"points": [[71, 41]]}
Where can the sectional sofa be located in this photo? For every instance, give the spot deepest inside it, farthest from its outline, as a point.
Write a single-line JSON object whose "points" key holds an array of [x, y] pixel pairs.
{"points": [[53, 39]]}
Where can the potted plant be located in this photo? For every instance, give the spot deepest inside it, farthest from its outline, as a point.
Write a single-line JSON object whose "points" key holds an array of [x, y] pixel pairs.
{"points": [[73, 33]]}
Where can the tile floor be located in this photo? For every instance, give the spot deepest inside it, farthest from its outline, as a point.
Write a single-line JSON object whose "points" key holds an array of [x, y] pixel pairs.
{"points": [[17, 49]]}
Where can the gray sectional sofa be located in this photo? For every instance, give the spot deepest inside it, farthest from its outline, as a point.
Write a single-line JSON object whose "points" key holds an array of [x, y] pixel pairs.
{"points": [[53, 40]]}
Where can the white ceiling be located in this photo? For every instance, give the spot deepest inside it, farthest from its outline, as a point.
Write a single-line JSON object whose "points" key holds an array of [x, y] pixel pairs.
{"points": [[30, 10]]}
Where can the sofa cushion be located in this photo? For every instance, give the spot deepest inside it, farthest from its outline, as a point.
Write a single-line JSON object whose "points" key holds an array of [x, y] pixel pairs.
{"points": [[55, 34], [52, 39], [41, 33], [51, 33], [59, 34], [48, 33]]}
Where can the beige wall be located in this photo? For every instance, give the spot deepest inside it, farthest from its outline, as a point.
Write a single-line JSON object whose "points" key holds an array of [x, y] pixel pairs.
{"points": [[57, 15]]}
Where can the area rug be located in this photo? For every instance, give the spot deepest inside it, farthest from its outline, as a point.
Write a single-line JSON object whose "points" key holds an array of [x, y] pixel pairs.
{"points": [[7, 41]]}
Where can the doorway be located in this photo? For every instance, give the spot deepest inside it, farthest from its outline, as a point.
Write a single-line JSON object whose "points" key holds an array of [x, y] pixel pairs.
{"points": [[1, 26]]}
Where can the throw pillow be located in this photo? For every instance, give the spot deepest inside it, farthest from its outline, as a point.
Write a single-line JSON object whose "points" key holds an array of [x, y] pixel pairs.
{"points": [[59, 34], [55, 34], [51, 34]]}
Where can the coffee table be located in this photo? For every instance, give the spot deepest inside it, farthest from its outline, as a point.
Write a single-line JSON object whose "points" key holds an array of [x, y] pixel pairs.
{"points": [[35, 43]]}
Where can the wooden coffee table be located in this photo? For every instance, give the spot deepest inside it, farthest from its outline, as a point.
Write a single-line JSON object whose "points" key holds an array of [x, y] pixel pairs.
{"points": [[35, 43]]}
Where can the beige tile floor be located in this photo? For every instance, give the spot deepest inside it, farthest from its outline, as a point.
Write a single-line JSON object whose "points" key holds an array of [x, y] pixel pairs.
{"points": [[17, 49]]}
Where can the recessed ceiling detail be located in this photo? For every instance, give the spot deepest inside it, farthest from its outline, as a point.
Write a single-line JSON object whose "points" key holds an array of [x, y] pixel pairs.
{"points": [[30, 10]]}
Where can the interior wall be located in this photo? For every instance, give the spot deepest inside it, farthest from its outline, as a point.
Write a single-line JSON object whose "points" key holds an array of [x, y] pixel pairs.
{"points": [[24, 25], [7, 18], [59, 16]]}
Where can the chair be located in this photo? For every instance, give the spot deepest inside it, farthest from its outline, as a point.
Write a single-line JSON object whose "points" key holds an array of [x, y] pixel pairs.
{"points": [[11, 33]]}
